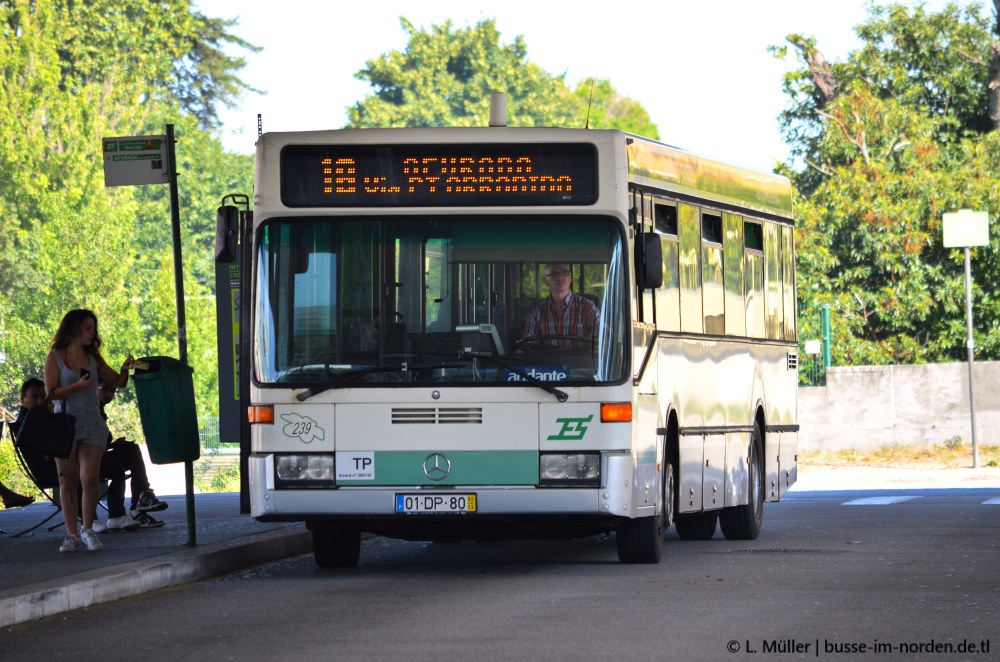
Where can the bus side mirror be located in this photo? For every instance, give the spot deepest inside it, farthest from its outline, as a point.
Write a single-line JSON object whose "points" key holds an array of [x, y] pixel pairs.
{"points": [[227, 224], [649, 262]]}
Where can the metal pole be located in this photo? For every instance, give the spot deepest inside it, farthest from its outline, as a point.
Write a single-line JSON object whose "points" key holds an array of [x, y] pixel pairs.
{"points": [[175, 227], [970, 345], [826, 335]]}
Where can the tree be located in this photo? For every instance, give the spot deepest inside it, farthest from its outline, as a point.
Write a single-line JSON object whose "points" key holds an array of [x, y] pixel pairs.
{"points": [[70, 74], [604, 108], [154, 50], [445, 76], [890, 140]]}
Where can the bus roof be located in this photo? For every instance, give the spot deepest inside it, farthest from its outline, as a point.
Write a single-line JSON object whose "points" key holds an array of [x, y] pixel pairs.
{"points": [[651, 164], [658, 166]]}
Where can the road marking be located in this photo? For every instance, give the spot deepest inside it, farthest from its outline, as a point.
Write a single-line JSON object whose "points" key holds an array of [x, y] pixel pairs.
{"points": [[995, 501], [879, 501]]}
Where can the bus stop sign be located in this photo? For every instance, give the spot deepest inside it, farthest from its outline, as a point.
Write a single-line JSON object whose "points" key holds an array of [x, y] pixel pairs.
{"points": [[135, 160], [966, 228]]}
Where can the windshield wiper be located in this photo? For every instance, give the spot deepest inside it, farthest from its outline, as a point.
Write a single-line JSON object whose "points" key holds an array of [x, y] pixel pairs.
{"points": [[342, 377], [561, 396]]}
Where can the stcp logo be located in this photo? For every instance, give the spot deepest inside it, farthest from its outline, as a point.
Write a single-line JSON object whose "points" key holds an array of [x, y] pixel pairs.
{"points": [[573, 429]]}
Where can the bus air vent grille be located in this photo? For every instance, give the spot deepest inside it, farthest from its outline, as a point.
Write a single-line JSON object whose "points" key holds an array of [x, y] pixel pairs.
{"points": [[793, 361], [432, 415]]}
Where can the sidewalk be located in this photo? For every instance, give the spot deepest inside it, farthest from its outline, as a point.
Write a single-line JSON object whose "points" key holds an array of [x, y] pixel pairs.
{"points": [[37, 581]]}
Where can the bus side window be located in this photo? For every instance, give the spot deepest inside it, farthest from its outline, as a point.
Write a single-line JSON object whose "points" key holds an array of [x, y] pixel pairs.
{"points": [[788, 258], [736, 319], [689, 268], [668, 297], [772, 272], [714, 305], [753, 270]]}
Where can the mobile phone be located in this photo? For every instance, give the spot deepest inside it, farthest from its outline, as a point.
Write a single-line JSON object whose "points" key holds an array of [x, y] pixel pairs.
{"points": [[84, 373]]}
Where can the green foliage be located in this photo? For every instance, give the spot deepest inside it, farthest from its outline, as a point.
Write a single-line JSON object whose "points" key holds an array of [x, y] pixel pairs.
{"points": [[903, 141], [227, 480], [445, 76], [604, 108], [153, 52], [72, 73]]}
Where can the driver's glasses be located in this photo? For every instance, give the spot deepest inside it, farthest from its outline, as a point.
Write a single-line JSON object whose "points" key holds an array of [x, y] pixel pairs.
{"points": [[557, 275]]}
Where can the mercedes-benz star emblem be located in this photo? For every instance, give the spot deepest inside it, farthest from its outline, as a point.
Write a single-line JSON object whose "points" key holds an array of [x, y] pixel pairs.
{"points": [[437, 466]]}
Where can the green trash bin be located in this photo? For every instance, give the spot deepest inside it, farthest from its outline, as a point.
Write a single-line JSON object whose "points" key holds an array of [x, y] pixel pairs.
{"points": [[164, 389]]}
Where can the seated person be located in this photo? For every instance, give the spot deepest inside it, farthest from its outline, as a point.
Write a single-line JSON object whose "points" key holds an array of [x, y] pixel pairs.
{"points": [[44, 467], [128, 455], [562, 313]]}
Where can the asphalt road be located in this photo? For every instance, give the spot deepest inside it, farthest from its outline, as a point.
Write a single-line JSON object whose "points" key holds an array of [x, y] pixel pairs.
{"points": [[891, 575]]}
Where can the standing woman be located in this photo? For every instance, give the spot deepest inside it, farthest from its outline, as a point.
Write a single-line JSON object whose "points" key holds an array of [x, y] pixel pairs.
{"points": [[71, 375]]}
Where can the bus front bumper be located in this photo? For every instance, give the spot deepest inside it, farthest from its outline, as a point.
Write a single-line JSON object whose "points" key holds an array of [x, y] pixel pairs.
{"points": [[269, 503]]}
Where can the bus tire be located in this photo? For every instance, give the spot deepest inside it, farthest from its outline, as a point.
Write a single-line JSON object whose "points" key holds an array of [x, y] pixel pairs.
{"points": [[696, 526], [336, 545], [640, 540], [744, 522]]}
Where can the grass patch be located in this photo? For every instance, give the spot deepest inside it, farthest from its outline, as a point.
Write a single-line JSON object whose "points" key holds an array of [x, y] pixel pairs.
{"points": [[950, 455]]}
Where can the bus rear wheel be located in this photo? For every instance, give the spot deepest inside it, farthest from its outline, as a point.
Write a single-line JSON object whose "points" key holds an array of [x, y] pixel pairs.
{"points": [[744, 522], [697, 526], [336, 545]]}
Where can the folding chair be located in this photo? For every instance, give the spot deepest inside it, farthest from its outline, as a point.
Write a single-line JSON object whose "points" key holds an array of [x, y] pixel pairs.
{"points": [[42, 472]]}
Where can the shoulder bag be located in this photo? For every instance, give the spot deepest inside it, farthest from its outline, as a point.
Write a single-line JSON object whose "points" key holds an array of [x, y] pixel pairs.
{"points": [[47, 432]]}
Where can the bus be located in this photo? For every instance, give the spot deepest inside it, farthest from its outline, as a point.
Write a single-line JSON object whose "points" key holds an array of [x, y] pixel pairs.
{"points": [[407, 363]]}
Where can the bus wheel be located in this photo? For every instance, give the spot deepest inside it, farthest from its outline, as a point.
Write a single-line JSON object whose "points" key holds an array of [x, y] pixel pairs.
{"points": [[744, 522], [669, 496], [640, 540], [336, 545], [696, 526]]}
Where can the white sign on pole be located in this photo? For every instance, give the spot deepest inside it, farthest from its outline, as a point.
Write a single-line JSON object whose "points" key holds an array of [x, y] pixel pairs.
{"points": [[813, 347], [966, 228], [135, 160]]}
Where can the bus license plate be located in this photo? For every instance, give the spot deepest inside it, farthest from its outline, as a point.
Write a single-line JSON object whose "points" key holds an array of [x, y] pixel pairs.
{"points": [[435, 503]]}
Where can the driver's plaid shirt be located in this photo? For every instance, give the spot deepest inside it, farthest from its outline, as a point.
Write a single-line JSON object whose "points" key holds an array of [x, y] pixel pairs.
{"points": [[579, 318]]}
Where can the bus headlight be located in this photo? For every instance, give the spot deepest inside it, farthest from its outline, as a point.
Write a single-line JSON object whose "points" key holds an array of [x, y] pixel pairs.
{"points": [[569, 469], [304, 470]]}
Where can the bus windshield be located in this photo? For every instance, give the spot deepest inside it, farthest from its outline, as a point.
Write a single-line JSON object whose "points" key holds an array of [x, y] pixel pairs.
{"points": [[425, 300]]}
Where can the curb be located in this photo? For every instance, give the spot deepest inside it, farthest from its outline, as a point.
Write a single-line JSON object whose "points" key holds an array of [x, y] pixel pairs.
{"points": [[30, 603]]}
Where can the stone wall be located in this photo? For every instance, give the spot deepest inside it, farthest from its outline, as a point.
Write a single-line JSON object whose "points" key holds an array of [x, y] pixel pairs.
{"points": [[907, 405]]}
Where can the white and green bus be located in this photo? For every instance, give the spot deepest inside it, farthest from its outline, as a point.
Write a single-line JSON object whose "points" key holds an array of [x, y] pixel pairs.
{"points": [[394, 385]]}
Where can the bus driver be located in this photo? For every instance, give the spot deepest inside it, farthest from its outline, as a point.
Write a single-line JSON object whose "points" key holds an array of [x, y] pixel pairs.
{"points": [[562, 313]]}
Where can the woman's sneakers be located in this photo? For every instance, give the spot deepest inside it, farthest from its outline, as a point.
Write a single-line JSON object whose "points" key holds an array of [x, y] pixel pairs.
{"points": [[86, 539], [91, 540], [71, 544]]}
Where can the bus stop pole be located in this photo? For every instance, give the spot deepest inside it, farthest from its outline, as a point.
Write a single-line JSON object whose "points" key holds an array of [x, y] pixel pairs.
{"points": [[175, 226], [970, 345], [825, 313]]}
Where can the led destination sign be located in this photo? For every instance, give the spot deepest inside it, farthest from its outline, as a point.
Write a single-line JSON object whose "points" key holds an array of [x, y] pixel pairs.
{"points": [[438, 175]]}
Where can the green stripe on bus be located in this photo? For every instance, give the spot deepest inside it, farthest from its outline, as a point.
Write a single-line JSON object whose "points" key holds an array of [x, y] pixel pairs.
{"points": [[453, 467]]}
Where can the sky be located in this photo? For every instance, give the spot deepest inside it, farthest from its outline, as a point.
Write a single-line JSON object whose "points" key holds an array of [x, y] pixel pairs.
{"points": [[700, 69]]}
